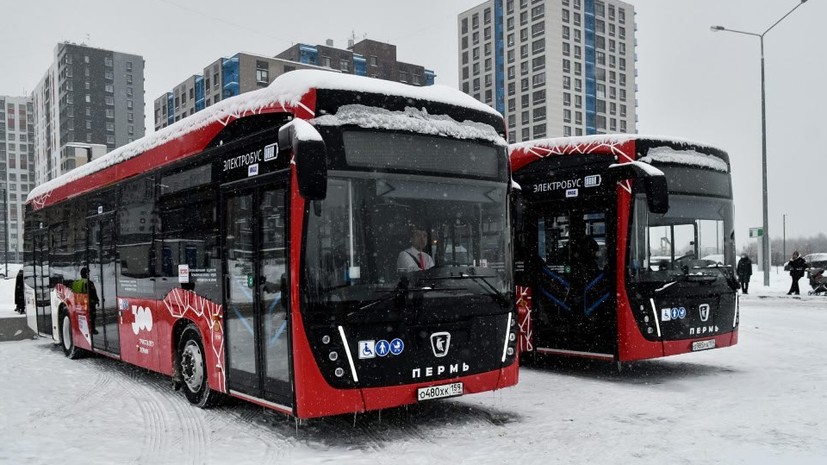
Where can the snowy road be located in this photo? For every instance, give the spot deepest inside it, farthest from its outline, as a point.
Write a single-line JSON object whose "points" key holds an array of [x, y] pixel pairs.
{"points": [[762, 401]]}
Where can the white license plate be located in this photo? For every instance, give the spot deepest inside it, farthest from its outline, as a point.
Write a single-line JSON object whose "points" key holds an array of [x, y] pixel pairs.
{"points": [[703, 345], [438, 392]]}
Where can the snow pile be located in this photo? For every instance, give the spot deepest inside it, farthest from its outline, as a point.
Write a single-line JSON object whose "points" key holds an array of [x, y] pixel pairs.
{"points": [[411, 119]]}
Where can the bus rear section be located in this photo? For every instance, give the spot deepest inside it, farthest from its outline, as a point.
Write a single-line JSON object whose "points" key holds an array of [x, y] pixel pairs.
{"points": [[264, 254], [624, 247]]}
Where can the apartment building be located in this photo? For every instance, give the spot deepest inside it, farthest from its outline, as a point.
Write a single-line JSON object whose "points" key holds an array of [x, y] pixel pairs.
{"points": [[16, 171], [552, 67], [88, 96], [221, 79], [244, 72]]}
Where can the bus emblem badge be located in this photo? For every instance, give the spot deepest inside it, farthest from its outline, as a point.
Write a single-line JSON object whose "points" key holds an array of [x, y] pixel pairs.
{"points": [[704, 310], [440, 343]]}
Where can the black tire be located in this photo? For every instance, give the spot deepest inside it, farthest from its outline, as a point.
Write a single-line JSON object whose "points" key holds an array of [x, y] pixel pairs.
{"points": [[67, 342], [193, 369]]}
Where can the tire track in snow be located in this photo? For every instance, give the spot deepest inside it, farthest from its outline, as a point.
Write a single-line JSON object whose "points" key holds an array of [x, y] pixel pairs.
{"points": [[77, 403], [156, 443]]}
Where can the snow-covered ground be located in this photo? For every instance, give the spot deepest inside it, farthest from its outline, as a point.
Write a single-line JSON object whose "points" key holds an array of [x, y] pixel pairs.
{"points": [[760, 402]]}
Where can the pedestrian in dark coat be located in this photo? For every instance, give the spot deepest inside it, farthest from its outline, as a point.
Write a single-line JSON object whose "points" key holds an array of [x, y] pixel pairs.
{"points": [[19, 293], [796, 267], [744, 270]]}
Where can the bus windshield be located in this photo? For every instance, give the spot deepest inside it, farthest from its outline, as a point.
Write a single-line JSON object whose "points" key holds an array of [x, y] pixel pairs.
{"points": [[361, 254], [691, 239]]}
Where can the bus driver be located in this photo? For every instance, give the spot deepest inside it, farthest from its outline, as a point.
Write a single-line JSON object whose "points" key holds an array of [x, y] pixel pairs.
{"points": [[414, 258]]}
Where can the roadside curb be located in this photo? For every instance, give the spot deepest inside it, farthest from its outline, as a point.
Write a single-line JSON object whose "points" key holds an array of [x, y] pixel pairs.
{"points": [[15, 329]]}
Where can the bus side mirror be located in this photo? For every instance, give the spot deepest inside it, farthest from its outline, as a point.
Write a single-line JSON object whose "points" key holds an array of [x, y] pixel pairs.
{"points": [[654, 183], [657, 194], [309, 155]]}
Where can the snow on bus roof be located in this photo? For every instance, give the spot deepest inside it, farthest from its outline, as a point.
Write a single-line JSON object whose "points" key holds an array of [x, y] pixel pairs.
{"points": [[685, 157], [661, 154], [411, 119], [599, 139], [286, 90]]}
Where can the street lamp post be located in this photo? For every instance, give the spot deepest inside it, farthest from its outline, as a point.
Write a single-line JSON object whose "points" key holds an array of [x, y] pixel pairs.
{"points": [[765, 242]]}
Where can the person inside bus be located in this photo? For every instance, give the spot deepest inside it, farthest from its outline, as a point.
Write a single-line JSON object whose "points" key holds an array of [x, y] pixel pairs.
{"points": [[85, 286], [414, 258]]}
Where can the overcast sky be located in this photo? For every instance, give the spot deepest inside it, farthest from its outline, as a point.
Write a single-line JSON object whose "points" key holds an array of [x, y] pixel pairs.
{"points": [[693, 83]]}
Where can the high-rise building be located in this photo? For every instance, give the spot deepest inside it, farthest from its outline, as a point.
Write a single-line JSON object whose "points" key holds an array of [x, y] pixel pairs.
{"points": [[220, 79], [552, 67], [88, 97], [16, 172]]}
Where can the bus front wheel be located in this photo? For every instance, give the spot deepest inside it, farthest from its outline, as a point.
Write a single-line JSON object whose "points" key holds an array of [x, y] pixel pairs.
{"points": [[67, 341], [193, 368]]}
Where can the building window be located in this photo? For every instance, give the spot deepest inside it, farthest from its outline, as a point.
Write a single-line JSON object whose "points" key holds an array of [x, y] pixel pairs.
{"points": [[538, 46], [262, 72], [540, 129], [538, 63], [539, 114], [538, 29], [538, 97], [538, 11]]}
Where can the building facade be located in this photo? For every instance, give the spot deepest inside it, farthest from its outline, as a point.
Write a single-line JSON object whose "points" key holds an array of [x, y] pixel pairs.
{"points": [[220, 79], [552, 67], [16, 171], [243, 72], [365, 58], [87, 96]]}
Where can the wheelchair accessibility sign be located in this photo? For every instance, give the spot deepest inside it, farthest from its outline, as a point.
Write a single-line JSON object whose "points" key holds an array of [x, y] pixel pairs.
{"points": [[381, 348], [367, 349]]}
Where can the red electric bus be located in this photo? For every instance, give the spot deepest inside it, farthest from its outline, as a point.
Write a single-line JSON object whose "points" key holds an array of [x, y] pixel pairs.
{"points": [[252, 249], [624, 247]]}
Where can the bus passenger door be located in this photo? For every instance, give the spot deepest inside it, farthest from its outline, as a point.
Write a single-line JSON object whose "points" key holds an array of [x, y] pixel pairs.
{"points": [[574, 296], [257, 324], [102, 256], [42, 289]]}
